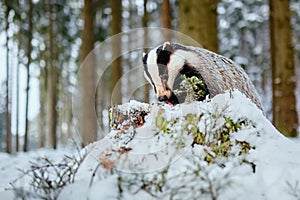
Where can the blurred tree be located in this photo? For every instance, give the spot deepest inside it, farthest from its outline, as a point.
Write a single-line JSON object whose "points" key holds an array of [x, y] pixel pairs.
{"points": [[29, 49], [56, 59], [145, 20], [2, 116], [283, 69], [52, 77], [43, 61], [67, 34], [166, 17], [88, 127], [116, 68], [244, 38], [8, 79], [42, 113], [198, 19], [2, 130], [102, 16], [19, 41]]}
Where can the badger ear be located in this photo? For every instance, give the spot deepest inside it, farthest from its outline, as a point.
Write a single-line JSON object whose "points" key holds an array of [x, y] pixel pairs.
{"points": [[145, 56], [167, 47]]}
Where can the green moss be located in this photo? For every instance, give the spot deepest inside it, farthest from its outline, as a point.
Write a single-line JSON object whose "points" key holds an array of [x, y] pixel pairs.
{"points": [[197, 86], [245, 146], [217, 140], [161, 122], [194, 88], [191, 127]]}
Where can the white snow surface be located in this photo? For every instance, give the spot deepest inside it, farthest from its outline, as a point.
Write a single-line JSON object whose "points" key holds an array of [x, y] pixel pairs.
{"points": [[117, 166], [11, 166]]}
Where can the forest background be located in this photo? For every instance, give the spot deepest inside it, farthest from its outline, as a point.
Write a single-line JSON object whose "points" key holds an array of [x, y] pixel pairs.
{"points": [[44, 42]]}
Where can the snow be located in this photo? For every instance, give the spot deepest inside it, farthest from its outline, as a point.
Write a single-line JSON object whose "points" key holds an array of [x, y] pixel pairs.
{"points": [[12, 165], [132, 106], [144, 163]]}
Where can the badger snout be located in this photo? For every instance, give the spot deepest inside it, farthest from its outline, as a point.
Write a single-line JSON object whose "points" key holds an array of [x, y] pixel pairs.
{"points": [[162, 98], [169, 99]]}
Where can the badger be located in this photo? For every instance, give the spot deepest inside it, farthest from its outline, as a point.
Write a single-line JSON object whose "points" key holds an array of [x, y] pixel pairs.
{"points": [[165, 65]]}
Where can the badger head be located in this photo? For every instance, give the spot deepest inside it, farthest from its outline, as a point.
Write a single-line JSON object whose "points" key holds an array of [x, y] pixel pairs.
{"points": [[164, 67]]}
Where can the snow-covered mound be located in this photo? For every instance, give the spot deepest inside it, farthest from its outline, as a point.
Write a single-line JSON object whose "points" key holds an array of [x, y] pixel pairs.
{"points": [[223, 148]]}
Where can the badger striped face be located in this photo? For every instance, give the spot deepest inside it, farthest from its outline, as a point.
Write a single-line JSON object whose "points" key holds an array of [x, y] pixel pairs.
{"points": [[163, 67]]}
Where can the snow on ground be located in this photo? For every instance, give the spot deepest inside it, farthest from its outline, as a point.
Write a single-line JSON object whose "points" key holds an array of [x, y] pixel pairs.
{"points": [[145, 163], [12, 165]]}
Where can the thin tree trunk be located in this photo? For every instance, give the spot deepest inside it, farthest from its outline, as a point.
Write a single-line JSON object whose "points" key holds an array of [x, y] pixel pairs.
{"points": [[52, 82], [69, 116], [43, 100], [7, 105], [68, 107], [145, 20], [18, 81], [29, 47], [283, 69], [17, 96], [116, 70], [88, 128], [198, 19], [166, 17], [17, 108]]}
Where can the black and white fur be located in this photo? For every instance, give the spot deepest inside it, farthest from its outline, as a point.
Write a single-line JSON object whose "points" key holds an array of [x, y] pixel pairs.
{"points": [[164, 65]]}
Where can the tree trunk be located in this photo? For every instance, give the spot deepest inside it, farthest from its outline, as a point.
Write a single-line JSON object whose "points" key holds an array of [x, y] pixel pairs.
{"points": [[17, 106], [42, 114], [18, 80], [17, 95], [7, 105], [198, 19], [116, 69], [29, 47], [145, 20], [69, 116], [52, 81], [68, 104], [283, 69], [166, 17], [88, 127]]}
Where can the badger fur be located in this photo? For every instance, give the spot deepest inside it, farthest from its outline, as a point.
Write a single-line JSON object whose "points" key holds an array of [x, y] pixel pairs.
{"points": [[165, 65]]}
